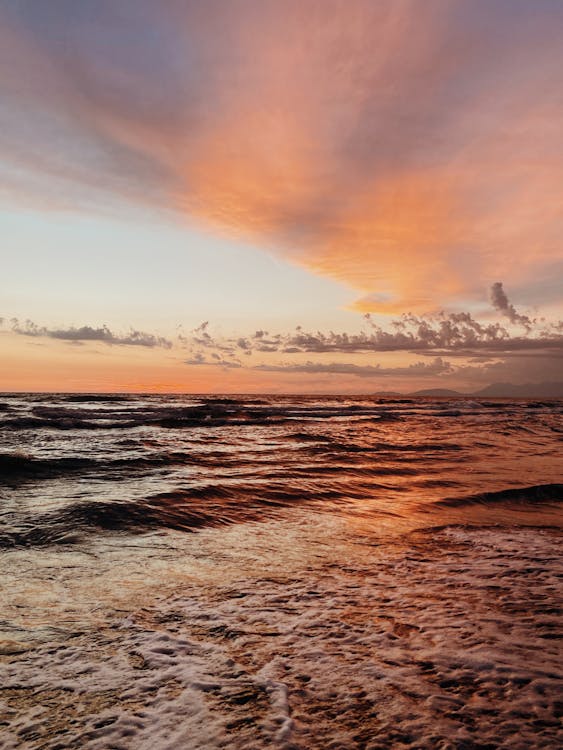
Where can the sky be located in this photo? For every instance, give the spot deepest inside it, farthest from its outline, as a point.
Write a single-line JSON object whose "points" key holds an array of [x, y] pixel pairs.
{"points": [[280, 196]]}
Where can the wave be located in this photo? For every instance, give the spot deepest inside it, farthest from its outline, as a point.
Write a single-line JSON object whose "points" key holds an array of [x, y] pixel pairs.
{"points": [[308, 437], [85, 398], [207, 413], [532, 495], [436, 483], [317, 455], [167, 511], [183, 509], [34, 423], [17, 467], [382, 447]]}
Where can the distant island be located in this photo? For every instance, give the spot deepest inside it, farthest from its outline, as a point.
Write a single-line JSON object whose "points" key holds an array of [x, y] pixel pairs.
{"points": [[553, 389]]}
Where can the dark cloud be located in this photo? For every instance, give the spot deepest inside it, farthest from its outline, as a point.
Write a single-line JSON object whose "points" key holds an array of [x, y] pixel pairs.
{"points": [[196, 359], [88, 333], [517, 368], [500, 302], [442, 334], [455, 334], [454, 346], [418, 369], [483, 351], [215, 361], [202, 338]]}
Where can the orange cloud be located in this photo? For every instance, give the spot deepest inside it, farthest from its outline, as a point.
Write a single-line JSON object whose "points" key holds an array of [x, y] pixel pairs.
{"points": [[414, 157], [396, 239]]}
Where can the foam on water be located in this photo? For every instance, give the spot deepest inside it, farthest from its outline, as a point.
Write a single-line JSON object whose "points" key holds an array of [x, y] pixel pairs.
{"points": [[365, 573], [441, 639]]}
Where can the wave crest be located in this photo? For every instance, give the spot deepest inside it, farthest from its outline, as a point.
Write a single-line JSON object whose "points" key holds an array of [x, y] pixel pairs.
{"points": [[532, 495]]}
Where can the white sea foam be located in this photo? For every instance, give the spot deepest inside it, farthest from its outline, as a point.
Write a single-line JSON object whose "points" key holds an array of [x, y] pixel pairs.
{"points": [[444, 639]]}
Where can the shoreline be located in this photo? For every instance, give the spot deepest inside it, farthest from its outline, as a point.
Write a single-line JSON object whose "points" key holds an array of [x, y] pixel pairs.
{"points": [[430, 639]]}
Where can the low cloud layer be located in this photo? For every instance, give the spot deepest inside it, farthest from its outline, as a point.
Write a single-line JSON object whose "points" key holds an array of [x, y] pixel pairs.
{"points": [[457, 334], [415, 370], [452, 345], [85, 334], [460, 347]]}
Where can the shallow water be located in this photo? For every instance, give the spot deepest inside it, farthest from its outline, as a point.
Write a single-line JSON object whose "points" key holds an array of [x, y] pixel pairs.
{"points": [[365, 572]]}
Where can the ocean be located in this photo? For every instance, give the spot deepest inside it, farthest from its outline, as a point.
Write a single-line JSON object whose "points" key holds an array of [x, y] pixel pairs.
{"points": [[291, 572]]}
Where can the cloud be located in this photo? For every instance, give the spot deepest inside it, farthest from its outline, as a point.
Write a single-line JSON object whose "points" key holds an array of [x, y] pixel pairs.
{"points": [[418, 369], [517, 368], [408, 155], [216, 361], [452, 348], [501, 303], [453, 334], [88, 333], [462, 351]]}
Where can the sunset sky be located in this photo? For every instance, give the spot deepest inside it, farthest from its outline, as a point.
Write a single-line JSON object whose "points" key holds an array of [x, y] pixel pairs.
{"points": [[280, 195]]}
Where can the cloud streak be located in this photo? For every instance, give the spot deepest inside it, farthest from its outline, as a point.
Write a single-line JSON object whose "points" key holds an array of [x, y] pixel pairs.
{"points": [[88, 334], [407, 155], [416, 370]]}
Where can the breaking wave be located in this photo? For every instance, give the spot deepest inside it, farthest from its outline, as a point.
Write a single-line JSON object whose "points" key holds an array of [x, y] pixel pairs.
{"points": [[131, 464], [533, 495], [17, 467]]}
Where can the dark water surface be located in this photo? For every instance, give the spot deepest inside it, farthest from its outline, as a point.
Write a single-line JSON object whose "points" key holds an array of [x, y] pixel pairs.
{"points": [[78, 464], [366, 573]]}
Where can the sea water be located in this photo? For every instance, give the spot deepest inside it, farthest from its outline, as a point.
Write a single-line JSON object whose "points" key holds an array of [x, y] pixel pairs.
{"points": [[293, 572]]}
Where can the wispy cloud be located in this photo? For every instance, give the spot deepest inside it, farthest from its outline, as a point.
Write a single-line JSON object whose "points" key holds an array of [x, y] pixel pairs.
{"points": [[407, 154], [90, 334], [214, 360], [416, 370]]}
